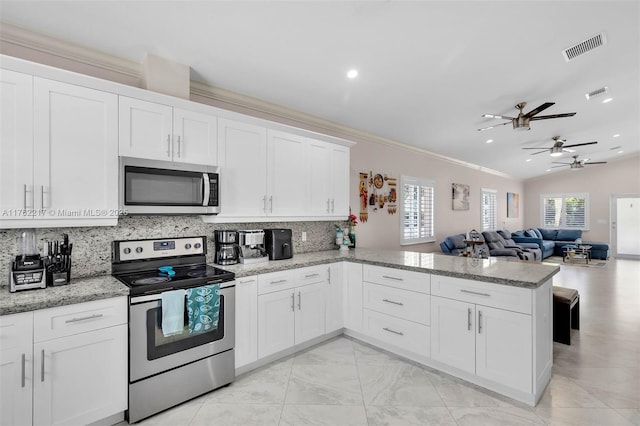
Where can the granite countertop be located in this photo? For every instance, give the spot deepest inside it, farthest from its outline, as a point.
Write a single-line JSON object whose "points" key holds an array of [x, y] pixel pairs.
{"points": [[493, 270], [77, 291]]}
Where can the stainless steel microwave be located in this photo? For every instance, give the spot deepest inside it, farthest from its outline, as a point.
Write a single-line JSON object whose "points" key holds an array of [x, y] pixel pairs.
{"points": [[163, 187]]}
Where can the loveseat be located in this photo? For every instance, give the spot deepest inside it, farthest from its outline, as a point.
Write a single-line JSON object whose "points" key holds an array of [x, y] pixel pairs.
{"points": [[552, 241]]}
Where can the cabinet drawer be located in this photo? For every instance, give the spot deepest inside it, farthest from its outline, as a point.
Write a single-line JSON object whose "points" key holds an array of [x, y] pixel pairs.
{"points": [[495, 295], [275, 281], [398, 332], [80, 318], [312, 275], [399, 278], [400, 303], [16, 330]]}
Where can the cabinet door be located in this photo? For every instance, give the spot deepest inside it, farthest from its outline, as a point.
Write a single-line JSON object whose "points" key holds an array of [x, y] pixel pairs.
{"points": [[145, 129], [286, 174], [81, 378], [16, 369], [195, 137], [310, 311], [334, 312], [504, 348], [16, 143], [76, 166], [242, 150], [275, 322], [319, 178], [453, 333], [353, 297], [246, 349], [339, 181]]}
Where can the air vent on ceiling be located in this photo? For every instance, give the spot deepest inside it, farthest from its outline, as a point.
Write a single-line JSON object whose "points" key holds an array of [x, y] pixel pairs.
{"points": [[598, 92], [584, 46]]}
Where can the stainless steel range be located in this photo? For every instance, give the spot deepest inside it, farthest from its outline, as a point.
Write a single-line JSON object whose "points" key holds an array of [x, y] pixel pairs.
{"points": [[166, 370]]}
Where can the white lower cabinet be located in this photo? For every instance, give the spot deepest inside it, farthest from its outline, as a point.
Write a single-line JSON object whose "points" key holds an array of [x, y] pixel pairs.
{"points": [[490, 343], [334, 309], [246, 349], [289, 314], [67, 365], [352, 294]]}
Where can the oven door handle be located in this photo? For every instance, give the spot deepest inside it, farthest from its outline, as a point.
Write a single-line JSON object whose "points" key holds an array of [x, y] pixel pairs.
{"points": [[158, 296]]}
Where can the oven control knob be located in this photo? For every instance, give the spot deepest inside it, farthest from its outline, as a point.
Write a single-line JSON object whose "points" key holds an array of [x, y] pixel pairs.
{"points": [[197, 245], [138, 249], [187, 246], [127, 250]]}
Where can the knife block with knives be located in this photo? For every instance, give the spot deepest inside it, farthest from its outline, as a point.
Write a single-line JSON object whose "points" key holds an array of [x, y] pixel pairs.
{"points": [[58, 261]]}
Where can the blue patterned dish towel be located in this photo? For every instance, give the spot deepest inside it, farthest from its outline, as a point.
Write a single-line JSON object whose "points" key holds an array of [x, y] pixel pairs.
{"points": [[172, 312], [203, 308]]}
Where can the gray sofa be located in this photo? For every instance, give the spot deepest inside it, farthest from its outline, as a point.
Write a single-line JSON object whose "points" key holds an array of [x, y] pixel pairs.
{"points": [[496, 241], [455, 245]]}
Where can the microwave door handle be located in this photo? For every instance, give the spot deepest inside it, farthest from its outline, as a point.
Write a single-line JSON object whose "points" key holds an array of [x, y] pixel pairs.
{"points": [[206, 189]]}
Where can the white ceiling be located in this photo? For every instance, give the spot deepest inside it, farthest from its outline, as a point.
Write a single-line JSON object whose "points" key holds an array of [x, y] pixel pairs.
{"points": [[428, 69]]}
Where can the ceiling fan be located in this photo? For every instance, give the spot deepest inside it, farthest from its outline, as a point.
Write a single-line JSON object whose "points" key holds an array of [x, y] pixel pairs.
{"points": [[559, 147], [577, 164], [521, 122]]}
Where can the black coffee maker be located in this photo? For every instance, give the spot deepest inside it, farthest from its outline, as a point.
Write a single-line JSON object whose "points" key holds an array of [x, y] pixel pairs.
{"points": [[227, 249]]}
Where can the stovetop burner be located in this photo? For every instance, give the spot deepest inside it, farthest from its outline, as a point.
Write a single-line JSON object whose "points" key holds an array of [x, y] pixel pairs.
{"points": [[150, 280]]}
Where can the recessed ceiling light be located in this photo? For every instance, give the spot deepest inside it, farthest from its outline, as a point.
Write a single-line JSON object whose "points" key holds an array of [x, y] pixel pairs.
{"points": [[352, 73], [620, 152], [548, 170], [527, 160], [489, 140], [606, 101], [617, 135]]}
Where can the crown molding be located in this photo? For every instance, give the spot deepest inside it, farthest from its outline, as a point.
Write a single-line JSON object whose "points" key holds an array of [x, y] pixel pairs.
{"points": [[31, 40], [39, 42]]}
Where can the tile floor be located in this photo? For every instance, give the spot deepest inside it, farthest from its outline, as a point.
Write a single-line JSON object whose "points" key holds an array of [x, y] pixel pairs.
{"points": [[596, 380]]}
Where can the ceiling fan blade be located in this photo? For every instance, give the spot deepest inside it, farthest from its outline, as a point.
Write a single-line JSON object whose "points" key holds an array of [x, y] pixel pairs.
{"points": [[539, 152], [538, 148], [546, 117], [558, 162], [595, 162], [580, 144], [495, 125], [501, 117], [555, 167], [539, 109]]}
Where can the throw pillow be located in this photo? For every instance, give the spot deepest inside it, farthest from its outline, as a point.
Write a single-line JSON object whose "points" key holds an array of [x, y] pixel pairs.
{"points": [[530, 233], [537, 232]]}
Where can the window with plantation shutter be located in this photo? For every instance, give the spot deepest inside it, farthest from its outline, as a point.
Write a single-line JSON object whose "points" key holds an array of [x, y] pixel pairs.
{"points": [[565, 211], [489, 209], [416, 210]]}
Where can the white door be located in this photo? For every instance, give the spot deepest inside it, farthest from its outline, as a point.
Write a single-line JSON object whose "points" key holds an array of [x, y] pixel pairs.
{"points": [[504, 348], [453, 333], [334, 310], [339, 181], [352, 297], [625, 226], [195, 137], [242, 151], [275, 322], [76, 165], [81, 378], [286, 174], [246, 349], [310, 311], [319, 178], [145, 129], [16, 145]]}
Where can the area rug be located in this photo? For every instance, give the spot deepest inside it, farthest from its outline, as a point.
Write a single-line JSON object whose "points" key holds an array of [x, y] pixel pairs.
{"points": [[594, 263]]}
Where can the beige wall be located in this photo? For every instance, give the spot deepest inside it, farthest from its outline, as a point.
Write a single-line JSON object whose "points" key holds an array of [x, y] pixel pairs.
{"points": [[382, 230], [599, 181]]}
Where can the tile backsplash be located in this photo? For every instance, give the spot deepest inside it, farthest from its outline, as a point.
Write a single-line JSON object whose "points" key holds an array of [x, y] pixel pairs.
{"points": [[92, 246]]}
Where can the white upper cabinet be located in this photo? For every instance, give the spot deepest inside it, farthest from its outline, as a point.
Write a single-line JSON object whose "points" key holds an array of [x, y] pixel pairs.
{"points": [[286, 173], [161, 132], [328, 179], [68, 172], [339, 178]]}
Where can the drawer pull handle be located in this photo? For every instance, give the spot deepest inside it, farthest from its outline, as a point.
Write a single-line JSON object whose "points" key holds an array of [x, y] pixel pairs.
{"points": [[476, 293], [23, 362], [90, 317], [278, 282], [42, 367], [392, 278], [246, 281], [391, 301], [399, 333], [311, 275], [468, 319]]}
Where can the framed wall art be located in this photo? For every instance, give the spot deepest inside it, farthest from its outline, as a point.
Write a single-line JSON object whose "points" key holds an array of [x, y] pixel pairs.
{"points": [[513, 204], [460, 196]]}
